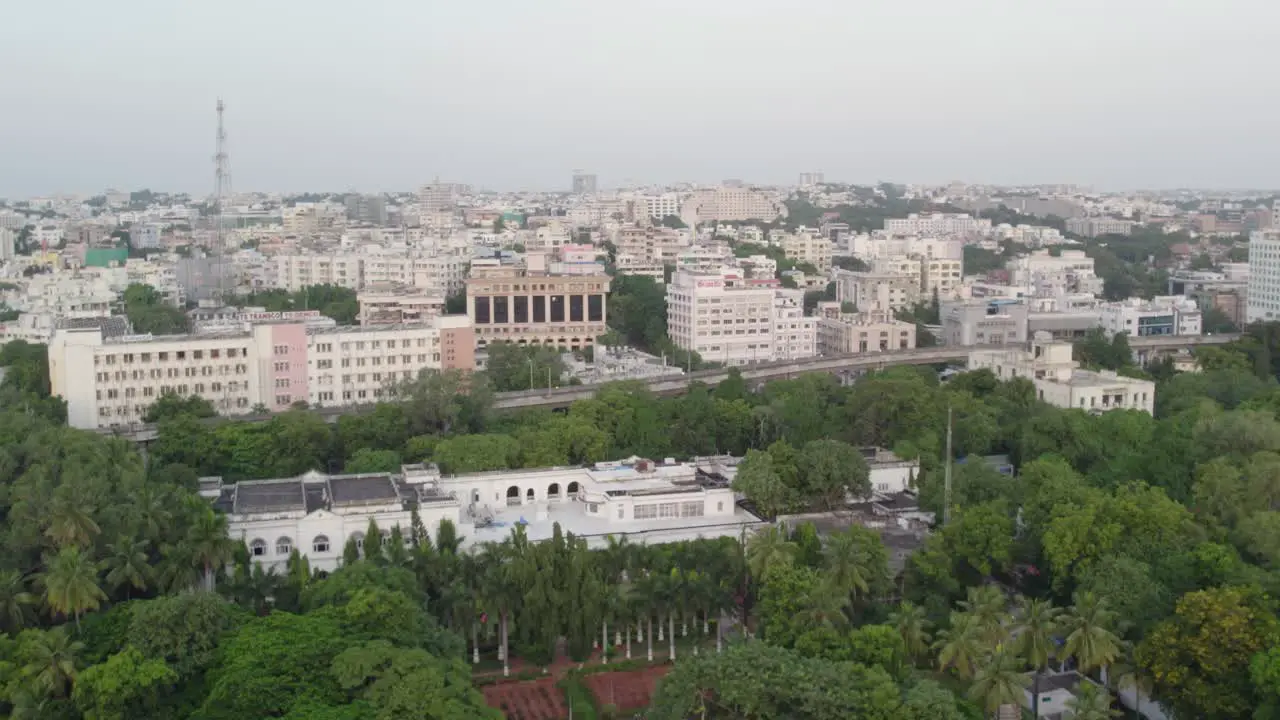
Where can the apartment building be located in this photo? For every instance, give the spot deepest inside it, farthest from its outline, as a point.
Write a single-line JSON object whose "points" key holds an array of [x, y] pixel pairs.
{"points": [[443, 274], [1263, 301], [294, 272], [1059, 380], [731, 203], [398, 304], [531, 306], [1095, 226], [881, 245], [938, 224], [727, 318], [807, 247], [661, 206], [111, 380], [844, 333], [874, 291], [1161, 315], [795, 335]]}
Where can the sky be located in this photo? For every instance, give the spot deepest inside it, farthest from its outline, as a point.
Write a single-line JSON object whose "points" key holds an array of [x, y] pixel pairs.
{"points": [[384, 95]]}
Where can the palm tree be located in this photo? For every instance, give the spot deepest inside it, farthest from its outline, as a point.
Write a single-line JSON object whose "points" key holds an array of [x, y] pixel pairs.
{"points": [[150, 504], [913, 627], [51, 661], [211, 548], [960, 645], [71, 523], [847, 564], [1089, 637], [178, 570], [767, 550], [126, 566], [999, 682], [1129, 673], [1091, 703], [1034, 632], [989, 607], [71, 583], [15, 601]]}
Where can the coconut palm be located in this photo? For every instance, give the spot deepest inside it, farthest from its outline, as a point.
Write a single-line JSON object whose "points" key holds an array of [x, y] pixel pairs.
{"points": [[126, 566], [767, 550], [71, 583], [825, 606], [848, 566], [71, 523], [913, 627], [16, 602], [1034, 631], [210, 547], [178, 570], [1089, 638], [990, 608], [150, 511], [999, 682], [51, 660], [960, 645], [1091, 703]]}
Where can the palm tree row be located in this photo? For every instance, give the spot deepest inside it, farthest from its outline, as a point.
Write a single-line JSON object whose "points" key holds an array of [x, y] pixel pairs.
{"points": [[992, 642]]}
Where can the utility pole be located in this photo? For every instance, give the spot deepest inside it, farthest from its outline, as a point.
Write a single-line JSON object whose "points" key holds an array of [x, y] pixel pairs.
{"points": [[530, 373], [946, 482]]}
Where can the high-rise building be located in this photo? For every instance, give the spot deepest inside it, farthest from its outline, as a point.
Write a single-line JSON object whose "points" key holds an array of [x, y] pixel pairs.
{"points": [[728, 318], [810, 179], [531, 306], [1264, 276], [371, 209], [437, 196], [584, 183], [733, 204]]}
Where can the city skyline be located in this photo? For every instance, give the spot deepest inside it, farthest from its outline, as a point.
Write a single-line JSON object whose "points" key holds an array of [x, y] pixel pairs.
{"points": [[507, 96]]}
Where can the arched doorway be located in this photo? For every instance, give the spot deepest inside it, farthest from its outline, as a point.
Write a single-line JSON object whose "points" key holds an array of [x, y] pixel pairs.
{"points": [[529, 496], [513, 495], [553, 492], [572, 489]]}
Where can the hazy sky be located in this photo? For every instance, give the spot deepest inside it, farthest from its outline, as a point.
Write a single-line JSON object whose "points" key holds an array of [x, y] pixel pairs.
{"points": [[506, 94]]}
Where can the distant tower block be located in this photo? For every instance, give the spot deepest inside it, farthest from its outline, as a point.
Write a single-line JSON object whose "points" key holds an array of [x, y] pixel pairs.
{"points": [[810, 179], [583, 183]]}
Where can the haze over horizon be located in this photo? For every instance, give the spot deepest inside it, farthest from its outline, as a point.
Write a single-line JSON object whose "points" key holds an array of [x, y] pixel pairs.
{"points": [[501, 94]]}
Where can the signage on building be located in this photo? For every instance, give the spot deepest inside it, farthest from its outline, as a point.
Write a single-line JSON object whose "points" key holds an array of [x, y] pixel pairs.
{"points": [[710, 283], [269, 316]]}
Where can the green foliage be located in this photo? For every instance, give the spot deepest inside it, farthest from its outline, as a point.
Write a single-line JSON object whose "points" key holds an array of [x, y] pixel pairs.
{"points": [[126, 685], [148, 312], [171, 405], [331, 301], [523, 367]]}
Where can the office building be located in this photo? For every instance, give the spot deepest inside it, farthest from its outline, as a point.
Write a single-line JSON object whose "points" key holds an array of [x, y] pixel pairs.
{"points": [[844, 333], [732, 204], [807, 247], [995, 321], [810, 179], [873, 291], [937, 224], [109, 381], [1095, 226], [1161, 315], [727, 318], [1059, 380], [1263, 303], [367, 209], [398, 305], [530, 306]]}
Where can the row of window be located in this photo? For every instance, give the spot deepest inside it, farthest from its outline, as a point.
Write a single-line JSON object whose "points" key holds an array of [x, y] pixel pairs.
{"points": [[151, 391], [319, 545]]}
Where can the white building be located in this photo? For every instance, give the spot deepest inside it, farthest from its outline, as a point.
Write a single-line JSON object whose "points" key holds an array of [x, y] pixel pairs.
{"points": [[877, 291], [731, 203], [1095, 226], [726, 318], [881, 245], [842, 333], [109, 381], [663, 205], [1161, 315], [1060, 381], [938, 224], [806, 247], [1264, 277], [638, 499]]}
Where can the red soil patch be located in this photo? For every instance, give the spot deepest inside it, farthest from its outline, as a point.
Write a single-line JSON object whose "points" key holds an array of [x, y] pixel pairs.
{"points": [[629, 689], [528, 700]]}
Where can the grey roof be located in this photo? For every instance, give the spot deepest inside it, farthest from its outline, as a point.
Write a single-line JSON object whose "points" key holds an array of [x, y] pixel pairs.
{"points": [[112, 326], [269, 496], [373, 489]]}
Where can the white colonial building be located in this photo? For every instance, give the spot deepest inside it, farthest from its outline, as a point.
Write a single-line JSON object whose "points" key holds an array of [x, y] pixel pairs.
{"points": [[650, 502]]}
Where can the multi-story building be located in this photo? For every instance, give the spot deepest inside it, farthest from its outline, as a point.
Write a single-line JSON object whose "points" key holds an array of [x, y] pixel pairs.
{"points": [[531, 306], [996, 321], [938, 224], [294, 272], [1095, 226], [1263, 304], [879, 245], [661, 206], [795, 335], [437, 196], [727, 318], [731, 203], [843, 333], [810, 179], [878, 291], [397, 305], [443, 274], [371, 209], [806, 247], [1161, 315], [1060, 381], [584, 183], [317, 514], [108, 381], [8, 243]]}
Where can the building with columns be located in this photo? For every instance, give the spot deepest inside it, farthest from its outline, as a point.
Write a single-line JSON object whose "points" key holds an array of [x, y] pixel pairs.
{"points": [[531, 306]]}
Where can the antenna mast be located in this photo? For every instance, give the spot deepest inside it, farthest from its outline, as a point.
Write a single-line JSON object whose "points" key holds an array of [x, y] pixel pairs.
{"points": [[221, 189], [946, 482]]}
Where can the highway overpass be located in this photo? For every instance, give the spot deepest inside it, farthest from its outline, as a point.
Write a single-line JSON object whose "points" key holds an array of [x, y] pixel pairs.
{"points": [[1144, 348]]}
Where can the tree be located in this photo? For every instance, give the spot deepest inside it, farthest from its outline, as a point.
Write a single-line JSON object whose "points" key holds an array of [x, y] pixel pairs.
{"points": [[126, 565], [183, 630], [148, 312], [210, 547], [409, 683], [673, 221], [127, 685], [928, 700], [830, 471], [171, 405], [960, 644], [475, 453], [16, 601], [71, 583], [759, 480], [49, 660], [1091, 702], [523, 367], [1199, 659], [768, 550], [998, 682], [913, 627], [1034, 633], [1090, 638], [366, 460]]}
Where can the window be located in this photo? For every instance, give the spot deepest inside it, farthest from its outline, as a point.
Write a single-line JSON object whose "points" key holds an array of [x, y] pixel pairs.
{"points": [[281, 350], [668, 510], [284, 545], [282, 367], [646, 512], [692, 509], [258, 547], [593, 508], [358, 537]]}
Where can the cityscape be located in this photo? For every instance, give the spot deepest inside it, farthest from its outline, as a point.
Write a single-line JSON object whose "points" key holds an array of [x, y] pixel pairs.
{"points": [[640, 367]]}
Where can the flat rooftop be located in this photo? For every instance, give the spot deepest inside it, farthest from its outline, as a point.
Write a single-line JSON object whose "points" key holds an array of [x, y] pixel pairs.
{"points": [[573, 518]]}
